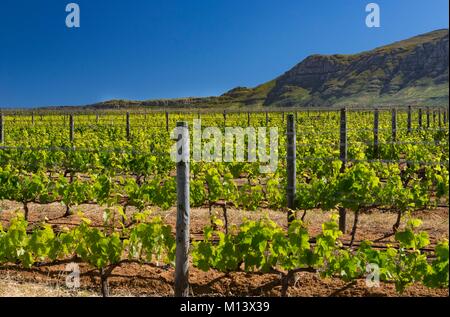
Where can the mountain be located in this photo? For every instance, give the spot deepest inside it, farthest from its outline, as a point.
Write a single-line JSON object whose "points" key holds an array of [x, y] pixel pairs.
{"points": [[409, 72]]}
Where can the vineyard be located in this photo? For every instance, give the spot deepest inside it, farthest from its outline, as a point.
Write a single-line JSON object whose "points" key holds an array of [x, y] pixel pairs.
{"points": [[101, 189]]}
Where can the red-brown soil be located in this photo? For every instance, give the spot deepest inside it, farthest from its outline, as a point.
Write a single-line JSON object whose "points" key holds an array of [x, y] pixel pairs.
{"points": [[133, 279]]}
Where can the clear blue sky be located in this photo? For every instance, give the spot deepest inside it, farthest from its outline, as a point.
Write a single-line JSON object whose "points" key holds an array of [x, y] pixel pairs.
{"points": [[146, 49]]}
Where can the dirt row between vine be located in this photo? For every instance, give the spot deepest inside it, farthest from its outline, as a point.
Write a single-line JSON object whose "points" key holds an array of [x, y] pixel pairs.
{"points": [[144, 280], [373, 225], [132, 279]]}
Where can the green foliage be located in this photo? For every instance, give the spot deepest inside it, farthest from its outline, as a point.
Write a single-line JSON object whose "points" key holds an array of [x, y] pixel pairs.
{"points": [[151, 240], [264, 246], [437, 273], [129, 174]]}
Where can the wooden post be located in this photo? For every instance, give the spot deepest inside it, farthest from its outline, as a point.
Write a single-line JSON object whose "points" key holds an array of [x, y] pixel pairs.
{"points": [[343, 158], [267, 119], [394, 125], [32, 118], [445, 116], [409, 120], [224, 118], [420, 118], [167, 121], [440, 118], [183, 214], [291, 159], [128, 126], [434, 118], [428, 118], [248, 118], [2, 131], [72, 128], [376, 145], [343, 136], [97, 118], [282, 117]]}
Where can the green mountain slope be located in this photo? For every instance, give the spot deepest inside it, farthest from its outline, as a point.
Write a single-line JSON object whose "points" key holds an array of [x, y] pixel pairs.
{"points": [[409, 72]]}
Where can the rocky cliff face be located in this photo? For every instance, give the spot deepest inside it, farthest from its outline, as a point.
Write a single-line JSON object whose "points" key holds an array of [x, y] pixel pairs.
{"points": [[414, 64]]}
